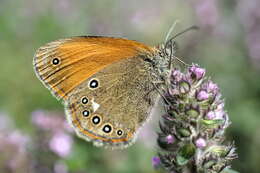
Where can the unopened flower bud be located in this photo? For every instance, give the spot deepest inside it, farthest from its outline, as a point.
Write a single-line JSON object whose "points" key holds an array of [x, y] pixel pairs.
{"points": [[156, 161], [200, 143], [170, 139], [184, 87]]}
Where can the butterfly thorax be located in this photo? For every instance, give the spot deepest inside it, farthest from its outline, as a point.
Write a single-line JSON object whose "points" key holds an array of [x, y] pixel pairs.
{"points": [[159, 64]]}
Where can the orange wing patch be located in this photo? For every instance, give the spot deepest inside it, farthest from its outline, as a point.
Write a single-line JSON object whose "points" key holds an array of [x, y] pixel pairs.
{"points": [[62, 65]]}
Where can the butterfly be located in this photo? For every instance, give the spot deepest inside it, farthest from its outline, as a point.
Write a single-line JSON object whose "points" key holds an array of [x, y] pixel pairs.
{"points": [[107, 85]]}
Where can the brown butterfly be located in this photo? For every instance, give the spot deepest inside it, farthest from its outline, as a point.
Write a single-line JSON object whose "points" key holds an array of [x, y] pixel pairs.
{"points": [[108, 85]]}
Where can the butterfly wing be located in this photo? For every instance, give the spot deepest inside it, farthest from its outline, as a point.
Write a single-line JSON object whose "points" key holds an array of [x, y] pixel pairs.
{"points": [[117, 108], [64, 64], [104, 83]]}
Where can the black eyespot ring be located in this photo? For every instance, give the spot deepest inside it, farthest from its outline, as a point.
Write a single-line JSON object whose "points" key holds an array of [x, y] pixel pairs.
{"points": [[119, 132], [107, 128], [94, 83], [84, 100], [55, 61], [96, 120], [85, 113]]}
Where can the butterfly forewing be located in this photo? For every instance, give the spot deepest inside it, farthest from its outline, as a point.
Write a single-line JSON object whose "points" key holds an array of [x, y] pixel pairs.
{"points": [[64, 64]]}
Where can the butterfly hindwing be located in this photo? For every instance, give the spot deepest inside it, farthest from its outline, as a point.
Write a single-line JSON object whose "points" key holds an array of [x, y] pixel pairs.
{"points": [[117, 107]]}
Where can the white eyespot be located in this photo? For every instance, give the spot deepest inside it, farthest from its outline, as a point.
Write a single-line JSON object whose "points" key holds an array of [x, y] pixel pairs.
{"points": [[96, 120], [84, 100], [55, 61], [86, 113], [107, 128], [119, 132], [93, 84], [95, 105]]}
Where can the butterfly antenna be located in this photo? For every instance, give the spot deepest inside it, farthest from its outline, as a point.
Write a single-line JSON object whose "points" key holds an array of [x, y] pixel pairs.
{"points": [[170, 30], [193, 27], [171, 42], [178, 59]]}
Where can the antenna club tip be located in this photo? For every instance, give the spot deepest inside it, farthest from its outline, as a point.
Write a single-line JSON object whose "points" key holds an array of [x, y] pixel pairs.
{"points": [[195, 27]]}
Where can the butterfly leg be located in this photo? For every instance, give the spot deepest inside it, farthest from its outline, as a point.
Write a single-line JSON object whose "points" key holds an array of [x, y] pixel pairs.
{"points": [[151, 90], [159, 91], [156, 85], [147, 96]]}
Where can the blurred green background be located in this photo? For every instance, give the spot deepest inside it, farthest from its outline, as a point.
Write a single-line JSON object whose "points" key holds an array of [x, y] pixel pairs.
{"points": [[34, 136]]}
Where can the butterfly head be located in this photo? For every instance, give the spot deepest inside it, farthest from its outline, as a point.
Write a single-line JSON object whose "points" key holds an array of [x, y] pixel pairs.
{"points": [[160, 62]]}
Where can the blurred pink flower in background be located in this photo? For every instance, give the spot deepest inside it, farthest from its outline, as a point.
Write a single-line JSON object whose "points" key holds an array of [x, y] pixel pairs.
{"points": [[249, 14], [253, 44], [60, 167], [13, 147], [61, 144], [140, 19], [60, 141], [207, 13], [50, 121], [12, 136], [18, 139]]}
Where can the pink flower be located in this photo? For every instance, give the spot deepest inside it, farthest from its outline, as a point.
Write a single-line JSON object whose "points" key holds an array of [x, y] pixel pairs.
{"points": [[219, 114], [200, 143], [156, 161], [249, 13], [17, 138], [202, 95], [197, 72], [60, 167], [211, 87], [170, 139], [48, 120], [61, 144], [176, 75], [207, 12], [210, 115]]}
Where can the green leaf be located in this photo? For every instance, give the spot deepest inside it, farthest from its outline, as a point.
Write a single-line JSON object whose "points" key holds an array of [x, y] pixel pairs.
{"points": [[212, 123], [185, 154], [227, 170], [218, 150], [173, 113], [192, 113], [181, 160], [209, 164], [184, 132], [184, 87]]}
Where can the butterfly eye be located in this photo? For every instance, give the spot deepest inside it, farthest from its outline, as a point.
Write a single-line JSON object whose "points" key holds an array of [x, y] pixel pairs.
{"points": [[85, 113], [96, 120], [55, 61], [148, 60], [119, 132], [94, 83], [84, 100], [107, 128]]}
